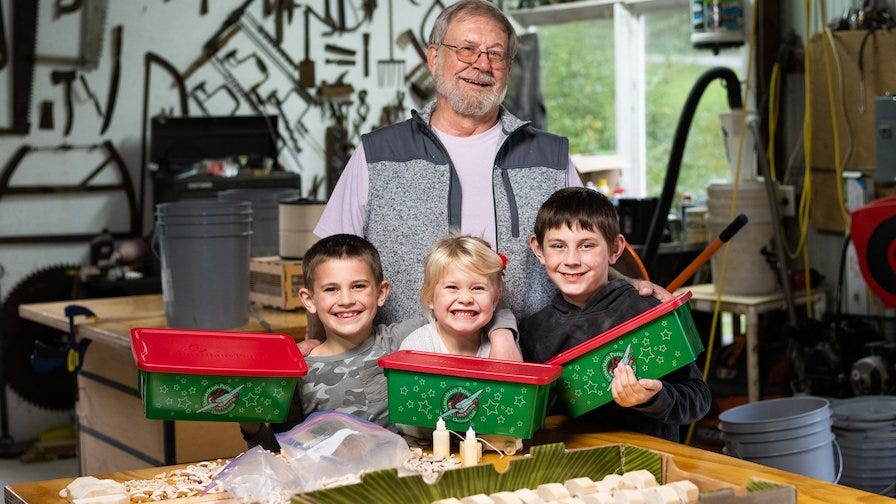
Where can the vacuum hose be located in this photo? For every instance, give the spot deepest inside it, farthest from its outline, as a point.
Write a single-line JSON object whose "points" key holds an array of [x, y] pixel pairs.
{"points": [[658, 223]]}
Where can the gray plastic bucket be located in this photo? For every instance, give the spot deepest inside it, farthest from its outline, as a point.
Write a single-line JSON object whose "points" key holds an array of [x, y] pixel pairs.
{"points": [[775, 414], [265, 214], [204, 249], [813, 460], [792, 433]]}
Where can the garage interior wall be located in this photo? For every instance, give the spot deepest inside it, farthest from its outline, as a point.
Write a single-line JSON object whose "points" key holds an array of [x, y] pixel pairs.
{"points": [[155, 34], [260, 52]]}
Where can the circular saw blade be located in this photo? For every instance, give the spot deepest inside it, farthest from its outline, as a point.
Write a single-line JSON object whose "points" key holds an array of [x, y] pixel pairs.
{"points": [[52, 390]]}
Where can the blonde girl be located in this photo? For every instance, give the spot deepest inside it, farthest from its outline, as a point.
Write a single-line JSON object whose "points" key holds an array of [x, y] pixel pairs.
{"points": [[463, 280]]}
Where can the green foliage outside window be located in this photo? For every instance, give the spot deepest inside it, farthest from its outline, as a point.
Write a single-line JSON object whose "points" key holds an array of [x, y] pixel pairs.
{"points": [[579, 88]]}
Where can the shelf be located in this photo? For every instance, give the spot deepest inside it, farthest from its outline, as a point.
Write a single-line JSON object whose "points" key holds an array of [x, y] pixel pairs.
{"points": [[580, 10]]}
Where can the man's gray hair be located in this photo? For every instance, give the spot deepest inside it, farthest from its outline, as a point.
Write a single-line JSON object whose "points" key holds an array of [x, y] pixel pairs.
{"points": [[472, 8]]}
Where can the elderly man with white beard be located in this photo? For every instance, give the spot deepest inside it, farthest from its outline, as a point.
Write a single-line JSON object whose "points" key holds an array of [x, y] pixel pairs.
{"points": [[462, 163]]}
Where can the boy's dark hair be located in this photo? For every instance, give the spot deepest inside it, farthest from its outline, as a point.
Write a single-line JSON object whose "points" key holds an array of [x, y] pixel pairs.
{"points": [[588, 208], [340, 246]]}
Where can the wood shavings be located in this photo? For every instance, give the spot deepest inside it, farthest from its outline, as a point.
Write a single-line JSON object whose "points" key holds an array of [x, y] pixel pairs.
{"points": [[187, 482], [430, 466]]}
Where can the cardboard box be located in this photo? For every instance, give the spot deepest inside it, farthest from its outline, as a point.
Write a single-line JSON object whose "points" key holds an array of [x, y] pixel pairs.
{"points": [[216, 375], [550, 463], [275, 282], [492, 396], [655, 343], [592, 168]]}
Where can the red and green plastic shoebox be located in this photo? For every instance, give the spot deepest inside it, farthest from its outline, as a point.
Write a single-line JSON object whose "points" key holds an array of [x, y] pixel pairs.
{"points": [[216, 375], [492, 396], [662, 340]]}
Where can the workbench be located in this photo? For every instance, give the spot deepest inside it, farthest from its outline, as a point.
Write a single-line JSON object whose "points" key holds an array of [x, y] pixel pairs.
{"points": [[704, 300], [113, 432], [689, 459]]}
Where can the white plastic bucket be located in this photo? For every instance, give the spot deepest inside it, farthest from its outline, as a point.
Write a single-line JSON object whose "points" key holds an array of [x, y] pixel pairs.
{"points": [[731, 131], [748, 273], [298, 217], [204, 249]]}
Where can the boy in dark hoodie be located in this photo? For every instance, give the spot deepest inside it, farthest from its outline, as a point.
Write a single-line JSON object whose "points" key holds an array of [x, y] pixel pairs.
{"points": [[577, 239]]}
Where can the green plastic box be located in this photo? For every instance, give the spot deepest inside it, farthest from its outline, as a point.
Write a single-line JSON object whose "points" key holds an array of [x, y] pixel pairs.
{"points": [[662, 340], [492, 396], [216, 375]]}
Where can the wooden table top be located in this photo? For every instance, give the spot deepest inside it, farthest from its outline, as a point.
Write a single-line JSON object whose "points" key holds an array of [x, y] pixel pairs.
{"points": [[115, 316], [686, 458]]}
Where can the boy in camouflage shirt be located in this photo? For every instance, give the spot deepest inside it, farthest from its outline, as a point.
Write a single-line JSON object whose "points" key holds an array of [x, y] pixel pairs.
{"points": [[344, 287]]}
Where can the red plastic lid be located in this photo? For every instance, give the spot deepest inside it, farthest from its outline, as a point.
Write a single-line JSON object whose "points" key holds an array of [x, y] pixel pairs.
{"points": [[216, 353], [620, 330], [471, 367]]}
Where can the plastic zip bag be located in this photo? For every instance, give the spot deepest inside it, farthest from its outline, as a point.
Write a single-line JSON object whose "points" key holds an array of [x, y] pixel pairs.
{"points": [[258, 475], [332, 448]]}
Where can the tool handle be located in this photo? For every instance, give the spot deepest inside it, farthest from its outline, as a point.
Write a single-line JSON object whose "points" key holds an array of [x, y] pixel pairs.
{"points": [[307, 34], [704, 256], [732, 228]]}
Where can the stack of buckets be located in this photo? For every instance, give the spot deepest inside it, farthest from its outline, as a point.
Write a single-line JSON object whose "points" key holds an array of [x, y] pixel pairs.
{"points": [[865, 427], [265, 216], [204, 249], [792, 433], [748, 273]]}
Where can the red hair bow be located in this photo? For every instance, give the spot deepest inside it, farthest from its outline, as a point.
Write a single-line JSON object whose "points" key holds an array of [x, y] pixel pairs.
{"points": [[503, 260]]}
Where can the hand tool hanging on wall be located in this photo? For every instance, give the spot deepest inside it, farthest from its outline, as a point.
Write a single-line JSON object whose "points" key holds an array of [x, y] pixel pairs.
{"points": [[86, 184], [65, 77], [4, 56], [340, 50], [207, 95], [234, 84], [90, 95], [260, 67], [360, 115], [390, 71], [46, 115], [365, 38], [274, 100], [149, 59], [290, 144], [340, 62], [93, 29], [338, 147], [61, 8], [263, 41], [24, 40], [434, 9], [306, 66], [277, 7], [113, 78], [407, 37], [229, 27]]}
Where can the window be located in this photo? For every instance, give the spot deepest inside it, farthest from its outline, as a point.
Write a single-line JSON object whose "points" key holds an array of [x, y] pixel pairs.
{"points": [[615, 81]]}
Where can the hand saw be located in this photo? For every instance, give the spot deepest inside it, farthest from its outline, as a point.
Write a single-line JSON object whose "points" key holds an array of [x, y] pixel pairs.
{"points": [[24, 40], [93, 30]]}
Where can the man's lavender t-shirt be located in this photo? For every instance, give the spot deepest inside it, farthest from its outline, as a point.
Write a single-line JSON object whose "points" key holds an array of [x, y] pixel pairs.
{"points": [[473, 159]]}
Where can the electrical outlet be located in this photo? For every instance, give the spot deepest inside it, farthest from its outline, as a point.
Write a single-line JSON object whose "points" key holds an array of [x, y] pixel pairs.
{"points": [[787, 200]]}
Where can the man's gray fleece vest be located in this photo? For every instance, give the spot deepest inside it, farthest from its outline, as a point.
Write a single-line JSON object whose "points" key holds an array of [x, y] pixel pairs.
{"points": [[414, 200]]}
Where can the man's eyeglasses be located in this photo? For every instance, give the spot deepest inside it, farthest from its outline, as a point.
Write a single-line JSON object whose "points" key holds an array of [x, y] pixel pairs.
{"points": [[469, 54]]}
